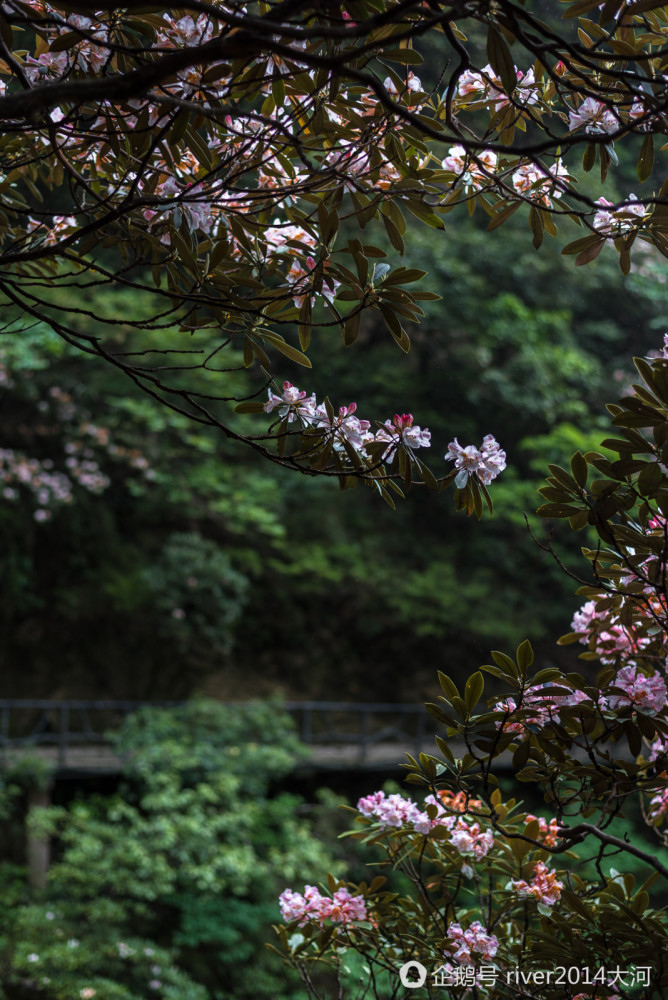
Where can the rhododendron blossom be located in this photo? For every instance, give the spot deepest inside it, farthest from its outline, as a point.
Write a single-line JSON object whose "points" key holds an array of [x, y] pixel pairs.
{"points": [[538, 707], [342, 908], [540, 185], [458, 801], [647, 694], [594, 116], [292, 403], [620, 220], [488, 86], [394, 811], [608, 642], [548, 833], [544, 886], [470, 839], [658, 807], [472, 171], [471, 944], [485, 462], [402, 428], [658, 748]]}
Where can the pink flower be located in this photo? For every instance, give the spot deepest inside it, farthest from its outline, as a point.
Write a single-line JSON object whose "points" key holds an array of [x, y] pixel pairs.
{"points": [[471, 839], [620, 220], [582, 620], [291, 403], [486, 462], [544, 887], [658, 747], [538, 184], [547, 833], [394, 811], [473, 940], [401, 428], [469, 167], [658, 806], [596, 117], [345, 427], [487, 85], [647, 694], [343, 908]]}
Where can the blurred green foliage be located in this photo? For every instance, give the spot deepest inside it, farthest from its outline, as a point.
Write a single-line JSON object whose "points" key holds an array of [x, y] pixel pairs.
{"points": [[201, 566], [169, 887]]}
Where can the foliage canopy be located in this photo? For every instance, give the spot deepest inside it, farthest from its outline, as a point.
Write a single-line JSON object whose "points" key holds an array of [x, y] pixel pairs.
{"points": [[218, 157]]}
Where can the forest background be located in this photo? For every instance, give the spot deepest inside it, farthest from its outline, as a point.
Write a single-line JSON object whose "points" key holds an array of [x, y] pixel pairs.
{"points": [[178, 563], [145, 557]]}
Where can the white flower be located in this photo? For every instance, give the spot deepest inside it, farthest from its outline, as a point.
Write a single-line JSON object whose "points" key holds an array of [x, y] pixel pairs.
{"points": [[596, 117], [486, 462], [620, 220]]}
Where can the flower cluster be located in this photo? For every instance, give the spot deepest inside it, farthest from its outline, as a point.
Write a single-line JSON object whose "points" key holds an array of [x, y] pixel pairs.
{"points": [[342, 908], [394, 811], [658, 807], [346, 427], [605, 634], [594, 116], [547, 832], [458, 802], [472, 171], [471, 944], [540, 185], [485, 462], [402, 429], [487, 86], [647, 694], [658, 748], [544, 886], [613, 222], [468, 839], [538, 707]]}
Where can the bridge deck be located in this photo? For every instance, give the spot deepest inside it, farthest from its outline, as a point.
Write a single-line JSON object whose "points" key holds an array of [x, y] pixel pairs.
{"points": [[100, 759]]}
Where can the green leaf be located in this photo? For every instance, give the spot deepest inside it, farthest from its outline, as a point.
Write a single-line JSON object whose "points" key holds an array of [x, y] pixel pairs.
{"points": [[520, 757], [444, 748], [352, 328], [405, 56], [501, 60], [650, 479], [425, 213], [503, 215], [448, 686], [290, 352], [393, 233], [250, 406], [475, 686], [505, 662], [589, 157], [66, 41], [590, 254], [536, 224], [524, 656], [579, 469], [646, 158]]}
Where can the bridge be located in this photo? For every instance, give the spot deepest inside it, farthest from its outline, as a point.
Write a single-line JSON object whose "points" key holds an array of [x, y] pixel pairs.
{"points": [[73, 736]]}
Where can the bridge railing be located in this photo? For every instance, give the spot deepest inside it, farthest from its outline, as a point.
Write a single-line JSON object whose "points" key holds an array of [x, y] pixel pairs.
{"points": [[29, 722], [63, 724], [361, 725]]}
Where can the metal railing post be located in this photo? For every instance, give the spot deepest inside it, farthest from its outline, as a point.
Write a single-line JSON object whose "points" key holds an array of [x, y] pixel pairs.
{"points": [[364, 736], [63, 734], [307, 725]]}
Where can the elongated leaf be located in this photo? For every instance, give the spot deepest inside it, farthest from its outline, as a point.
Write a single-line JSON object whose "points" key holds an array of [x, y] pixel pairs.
{"points": [[501, 60]]}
